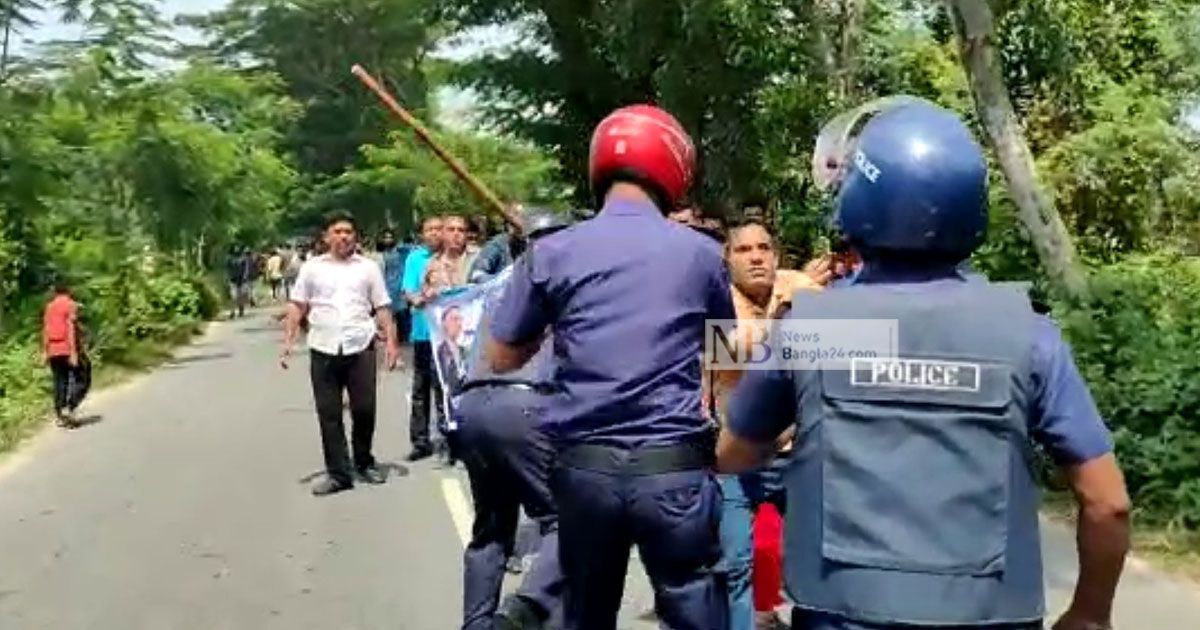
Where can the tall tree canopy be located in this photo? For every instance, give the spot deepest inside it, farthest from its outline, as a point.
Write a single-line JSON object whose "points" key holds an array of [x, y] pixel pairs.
{"points": [[311, 45]]}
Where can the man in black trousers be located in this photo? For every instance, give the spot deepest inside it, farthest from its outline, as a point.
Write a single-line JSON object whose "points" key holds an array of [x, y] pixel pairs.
{"points": [[345, 300]]}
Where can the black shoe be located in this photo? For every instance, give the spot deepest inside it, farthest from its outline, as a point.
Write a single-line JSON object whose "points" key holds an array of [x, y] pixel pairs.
{"points": [[371, 475], [330, 486], [420, 453], [519, 614]]}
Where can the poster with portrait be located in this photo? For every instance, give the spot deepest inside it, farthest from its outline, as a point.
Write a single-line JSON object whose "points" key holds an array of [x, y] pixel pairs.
{"points": [[457, 330]]}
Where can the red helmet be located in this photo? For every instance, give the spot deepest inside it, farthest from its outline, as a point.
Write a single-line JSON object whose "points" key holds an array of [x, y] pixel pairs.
{"points": [[645, 145]]}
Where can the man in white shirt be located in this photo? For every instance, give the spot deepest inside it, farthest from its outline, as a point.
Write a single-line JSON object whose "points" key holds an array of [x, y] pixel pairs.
{"points": [[346, 303]]}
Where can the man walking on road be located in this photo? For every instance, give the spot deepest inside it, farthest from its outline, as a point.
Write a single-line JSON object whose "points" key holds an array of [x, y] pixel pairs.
{"points": [[424, 380], [61, 349], [239, 270], [343, 296], [275, 272]]}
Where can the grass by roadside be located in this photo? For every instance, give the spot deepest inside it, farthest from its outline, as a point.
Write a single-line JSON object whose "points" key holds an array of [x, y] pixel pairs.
{"points": [[1173, 551]]}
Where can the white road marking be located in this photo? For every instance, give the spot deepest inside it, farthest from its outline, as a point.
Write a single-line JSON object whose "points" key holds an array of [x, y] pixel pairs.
{"points": [[460, 508]]}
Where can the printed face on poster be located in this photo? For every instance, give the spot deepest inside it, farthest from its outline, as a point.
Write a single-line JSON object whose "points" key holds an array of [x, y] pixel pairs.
{"points": [[457, 330]]}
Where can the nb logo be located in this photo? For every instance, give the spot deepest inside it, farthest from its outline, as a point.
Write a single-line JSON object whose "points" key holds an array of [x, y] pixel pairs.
{"points": [[733, 346]]}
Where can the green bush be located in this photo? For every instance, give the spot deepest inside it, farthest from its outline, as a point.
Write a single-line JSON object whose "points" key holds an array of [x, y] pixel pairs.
{"points": [[1137, 342], [22, 389]]}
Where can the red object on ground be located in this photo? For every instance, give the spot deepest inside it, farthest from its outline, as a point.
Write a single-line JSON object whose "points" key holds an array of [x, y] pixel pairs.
{"points": [[767, 572]]}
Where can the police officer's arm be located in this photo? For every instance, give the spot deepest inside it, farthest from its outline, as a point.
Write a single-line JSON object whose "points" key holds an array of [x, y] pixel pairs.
{"points": [[519, 322], [1068, 425], [762, 407]]}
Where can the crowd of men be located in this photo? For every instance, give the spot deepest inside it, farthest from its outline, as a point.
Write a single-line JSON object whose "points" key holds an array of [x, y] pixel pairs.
{"points": [[907, 502]]}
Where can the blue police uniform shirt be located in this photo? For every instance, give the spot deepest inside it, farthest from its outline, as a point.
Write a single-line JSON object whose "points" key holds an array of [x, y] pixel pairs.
{"points": [[626, 295], [415, 266], [1063, 416]]}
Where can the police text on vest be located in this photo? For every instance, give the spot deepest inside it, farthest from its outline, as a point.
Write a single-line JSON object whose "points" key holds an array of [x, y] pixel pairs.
{"points": [[927, 374]]}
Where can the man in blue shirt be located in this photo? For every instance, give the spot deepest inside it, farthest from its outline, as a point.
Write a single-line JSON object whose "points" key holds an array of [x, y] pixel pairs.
{"points": [[394, 256], [626, 295], [912, 497], [424, 380]]}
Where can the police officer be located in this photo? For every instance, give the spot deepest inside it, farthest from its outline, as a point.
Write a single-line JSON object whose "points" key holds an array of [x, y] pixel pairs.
{"points": [[626, 295], [912, 497], [508, 458]]}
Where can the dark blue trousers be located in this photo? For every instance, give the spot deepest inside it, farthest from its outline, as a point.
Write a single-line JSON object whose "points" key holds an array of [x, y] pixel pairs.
{"points": [[673, 518], [508, 460]]}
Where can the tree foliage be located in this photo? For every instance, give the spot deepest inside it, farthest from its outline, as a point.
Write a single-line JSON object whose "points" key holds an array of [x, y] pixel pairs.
{"points": [[311, 45]]}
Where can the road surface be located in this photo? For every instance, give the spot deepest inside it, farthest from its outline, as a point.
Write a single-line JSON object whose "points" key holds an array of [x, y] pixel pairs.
{"points": [[185, 504]]}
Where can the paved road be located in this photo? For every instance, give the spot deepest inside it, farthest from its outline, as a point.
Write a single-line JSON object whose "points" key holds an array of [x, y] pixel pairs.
{"points": [[186, 506]]}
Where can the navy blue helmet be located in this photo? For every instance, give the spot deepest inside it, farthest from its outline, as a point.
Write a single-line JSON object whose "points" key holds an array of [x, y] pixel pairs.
{"points": [[907, 177]]}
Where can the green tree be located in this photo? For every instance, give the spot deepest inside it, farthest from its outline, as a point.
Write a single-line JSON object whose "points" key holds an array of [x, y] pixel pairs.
{"points": [[15, 16], [311, 45]]}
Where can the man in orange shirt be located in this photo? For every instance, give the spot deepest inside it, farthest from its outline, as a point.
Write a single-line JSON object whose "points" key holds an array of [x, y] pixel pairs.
{"points": [[761, 291], [60, 349]]}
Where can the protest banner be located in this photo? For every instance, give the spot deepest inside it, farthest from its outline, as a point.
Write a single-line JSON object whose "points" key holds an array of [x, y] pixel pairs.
{"points": [[457, 331]]}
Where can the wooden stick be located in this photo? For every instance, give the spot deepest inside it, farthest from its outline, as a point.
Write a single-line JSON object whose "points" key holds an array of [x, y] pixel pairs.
{"points": [[480, 189]]}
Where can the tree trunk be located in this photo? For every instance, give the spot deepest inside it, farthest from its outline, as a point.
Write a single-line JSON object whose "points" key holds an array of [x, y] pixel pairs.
{"points": [[973, 23], [847, 70], [8, 18], [200, 253]]}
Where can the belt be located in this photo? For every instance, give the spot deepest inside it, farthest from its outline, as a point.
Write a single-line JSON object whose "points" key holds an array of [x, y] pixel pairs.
{"points": [[521, 385], [647, 460]]}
